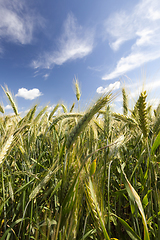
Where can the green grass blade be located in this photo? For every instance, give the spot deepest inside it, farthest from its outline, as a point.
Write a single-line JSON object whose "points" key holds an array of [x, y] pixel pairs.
{"points": [[11, 227], [88, 234], [155, 144], [128, 229]]}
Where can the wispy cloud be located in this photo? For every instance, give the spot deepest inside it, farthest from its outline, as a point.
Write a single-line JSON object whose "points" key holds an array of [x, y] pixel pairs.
{"points": [[75, 42], [150, 87], [135, 88], [132, 61], [142, 26], [154, 102], [45, 76], [17, 22], [112, 86], [28, 94], [96, 68]]}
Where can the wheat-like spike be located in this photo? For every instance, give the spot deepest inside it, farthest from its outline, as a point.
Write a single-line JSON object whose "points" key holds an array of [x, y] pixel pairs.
{"points": [[12, 102], [82, 123], [91, 204], [11, 191], [1, 109], [72, 107], [44, 181], [53, 111], [78, 92], [31, 113], [64, 108], [92, 136], [143, 122], [44, 122], [5, 148], [28, 117], [63, 116], [107, 121], [40, 185], [134, 112], [96, 212], [125, 101], [40, 114]]}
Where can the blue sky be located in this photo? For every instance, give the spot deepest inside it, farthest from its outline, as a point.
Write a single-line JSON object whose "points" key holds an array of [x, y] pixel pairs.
{"points": [[44, 45]]}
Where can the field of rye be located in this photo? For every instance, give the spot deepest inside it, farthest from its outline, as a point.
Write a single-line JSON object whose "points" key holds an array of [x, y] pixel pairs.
{"points": [[66, 174]]}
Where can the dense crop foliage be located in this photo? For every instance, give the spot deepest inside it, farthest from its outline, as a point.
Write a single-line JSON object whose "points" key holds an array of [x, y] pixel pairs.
{"points": [[80, 175]]}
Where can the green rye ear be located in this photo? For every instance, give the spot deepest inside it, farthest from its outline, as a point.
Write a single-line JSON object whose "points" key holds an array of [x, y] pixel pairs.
{"points": [[142, 112], [125, 101], [82, 123], [12, 102], [5, 148], [1, 109], [77, 89]]}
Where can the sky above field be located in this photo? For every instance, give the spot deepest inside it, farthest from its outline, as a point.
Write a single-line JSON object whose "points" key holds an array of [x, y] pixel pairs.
{"points": [[45, 45]]}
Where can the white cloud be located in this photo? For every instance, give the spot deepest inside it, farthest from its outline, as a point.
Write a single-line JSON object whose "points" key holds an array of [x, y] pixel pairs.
{"points": [[17, 22], [142, 26], [75, 42], [112, 86], [8, 107], [145, 37], [28, 94]]}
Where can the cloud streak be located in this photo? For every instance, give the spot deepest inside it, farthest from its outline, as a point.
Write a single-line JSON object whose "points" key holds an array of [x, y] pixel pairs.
{"points": [[17, 22], [28, 94], [46, 76], [111, 87], [75, 42], [142, 26]]}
